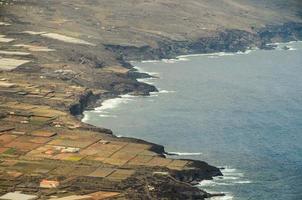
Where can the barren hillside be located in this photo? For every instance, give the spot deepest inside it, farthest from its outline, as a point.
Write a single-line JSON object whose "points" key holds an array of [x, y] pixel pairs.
{"points": [[59, 57]]}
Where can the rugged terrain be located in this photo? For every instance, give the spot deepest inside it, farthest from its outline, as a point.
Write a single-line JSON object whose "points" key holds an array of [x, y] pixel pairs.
{"points": [[60, 57]]}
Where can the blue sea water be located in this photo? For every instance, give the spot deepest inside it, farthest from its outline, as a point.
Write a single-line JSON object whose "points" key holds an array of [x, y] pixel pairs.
{"points": [[239, 111]]}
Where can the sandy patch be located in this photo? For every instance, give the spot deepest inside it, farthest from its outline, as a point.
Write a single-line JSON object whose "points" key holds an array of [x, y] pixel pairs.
{"points": [[33, 32], [14, 53], [7, 64], [60, 37], [6, 40], [6, 84], [4, 24], [35, 48], [65, 38]]}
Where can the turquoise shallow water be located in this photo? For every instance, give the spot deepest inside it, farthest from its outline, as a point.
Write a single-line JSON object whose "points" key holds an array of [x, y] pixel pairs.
{"points": [[239, 111]]}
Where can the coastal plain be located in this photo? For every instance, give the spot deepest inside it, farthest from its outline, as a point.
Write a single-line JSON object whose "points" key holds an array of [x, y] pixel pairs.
{"points": [[59, 58]]}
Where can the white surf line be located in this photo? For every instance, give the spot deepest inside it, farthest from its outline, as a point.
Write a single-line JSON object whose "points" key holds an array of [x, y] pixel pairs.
{"points": [[284, 48], [292, 49], [177, 59], [184, 153], [160, 91], [140, 70], [288, 46], [149, 81], [231, 176], [110, 104], [150, 61], [218, 54], [107, 105], [169, 61], [212, 183], [172, 60], [85, 118], [284, 45]]}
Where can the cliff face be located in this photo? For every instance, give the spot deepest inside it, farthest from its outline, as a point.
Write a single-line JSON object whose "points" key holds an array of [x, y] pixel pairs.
{"points": [[145, 29], [226, 41]]}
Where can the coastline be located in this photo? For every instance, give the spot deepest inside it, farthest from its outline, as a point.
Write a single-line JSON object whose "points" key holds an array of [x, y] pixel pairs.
{"points": [[145, 76], [153, 75], [64, 94]]}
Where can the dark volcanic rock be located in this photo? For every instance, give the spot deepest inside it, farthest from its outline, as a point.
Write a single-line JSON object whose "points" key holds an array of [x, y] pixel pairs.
{"points": [[229, 40], [163, 187], [84, 100], [200, 171], [286, 32]]}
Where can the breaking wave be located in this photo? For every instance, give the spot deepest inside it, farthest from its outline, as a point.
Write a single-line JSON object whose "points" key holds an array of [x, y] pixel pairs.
{"points": [[146, 80], [112, 103], [184, 153], [285, 46], [150, 61], [86, 118], [231, 177], [145, 72], [109, 104], [108, 116], [218, 54], [177, 59], [156, 94]]}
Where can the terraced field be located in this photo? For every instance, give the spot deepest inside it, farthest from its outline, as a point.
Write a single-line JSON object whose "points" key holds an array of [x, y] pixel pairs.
{"points": [[60, 57]]}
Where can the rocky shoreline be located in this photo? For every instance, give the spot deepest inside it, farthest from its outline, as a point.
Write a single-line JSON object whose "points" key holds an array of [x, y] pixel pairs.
{"points": [[224, 41], [59, 60], [262, 40]]}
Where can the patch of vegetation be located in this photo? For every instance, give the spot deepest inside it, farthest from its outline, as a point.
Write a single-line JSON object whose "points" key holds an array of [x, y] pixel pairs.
{"points": [[11, 151]]}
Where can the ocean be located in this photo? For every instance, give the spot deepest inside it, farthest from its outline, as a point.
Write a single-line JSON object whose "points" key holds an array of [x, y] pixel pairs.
{"points": [[240, 111]]}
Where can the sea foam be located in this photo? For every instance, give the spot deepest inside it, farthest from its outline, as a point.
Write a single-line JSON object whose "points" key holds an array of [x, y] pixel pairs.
{"points": [[150, 61], [231, 176], [177, 59], [217, 54], [110, 104], [139, 69], [149, 81], [185, 153], [166, 91], [86, 118]]}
